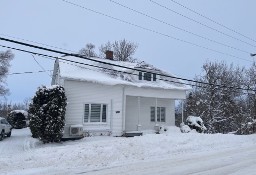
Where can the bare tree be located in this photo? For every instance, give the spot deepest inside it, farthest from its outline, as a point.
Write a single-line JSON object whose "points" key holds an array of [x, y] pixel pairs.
{"points": [[123, 50], [5, 58], [88, 51]]}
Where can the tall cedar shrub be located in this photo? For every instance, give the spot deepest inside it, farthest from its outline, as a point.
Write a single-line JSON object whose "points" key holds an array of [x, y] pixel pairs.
{"points": [[47, 112]]}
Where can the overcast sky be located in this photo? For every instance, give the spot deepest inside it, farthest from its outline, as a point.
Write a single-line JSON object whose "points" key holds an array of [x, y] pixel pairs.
{"points": [[59, 24]]}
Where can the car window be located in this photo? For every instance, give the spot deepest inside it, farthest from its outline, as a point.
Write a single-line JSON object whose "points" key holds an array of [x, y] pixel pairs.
{"points": [[3, 121]]}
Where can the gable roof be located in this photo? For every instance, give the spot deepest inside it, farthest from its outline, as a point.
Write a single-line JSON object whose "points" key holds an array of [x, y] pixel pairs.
{"points": [[126, 74]]}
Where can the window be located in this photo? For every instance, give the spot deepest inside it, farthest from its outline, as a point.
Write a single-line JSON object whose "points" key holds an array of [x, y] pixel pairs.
{"points": [[152, 114], [160, 115], [95, 113], [140, 75], [154, 77], [147, 76]]}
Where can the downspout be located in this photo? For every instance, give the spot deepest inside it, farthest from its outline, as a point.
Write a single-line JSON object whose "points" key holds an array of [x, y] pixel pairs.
{"points": [[123, 110], [182, 112], [111, 116], [156, 112], [138, 125]]}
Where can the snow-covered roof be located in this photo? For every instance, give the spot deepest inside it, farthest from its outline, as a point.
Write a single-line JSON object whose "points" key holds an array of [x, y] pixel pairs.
{"points": [[127, 74]]}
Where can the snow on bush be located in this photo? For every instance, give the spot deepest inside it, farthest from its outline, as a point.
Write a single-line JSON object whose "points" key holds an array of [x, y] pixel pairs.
{"points": [[17, 118], [196, 123], [184, 128], [47, 112]]}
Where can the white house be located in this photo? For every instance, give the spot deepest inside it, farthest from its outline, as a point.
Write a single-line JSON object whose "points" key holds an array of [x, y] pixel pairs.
{"points": [[108, 99]]}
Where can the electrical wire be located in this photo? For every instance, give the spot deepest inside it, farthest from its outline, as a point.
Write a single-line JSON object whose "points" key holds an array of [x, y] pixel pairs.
{"points": [[200, 23], [154, 31], [41, 66], [210, 19], [28, 72], [35, 42], [179, 28], [164, 75], [75, 55]]}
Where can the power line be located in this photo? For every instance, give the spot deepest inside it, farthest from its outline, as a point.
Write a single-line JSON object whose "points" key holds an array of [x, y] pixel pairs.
{"points": [[130, 73], [193, 85], [210, 19], [41, 66], [98, 61], [19, 73], [156, 32], [36, 42], [70, 54], [179, 28], [202, 24]]}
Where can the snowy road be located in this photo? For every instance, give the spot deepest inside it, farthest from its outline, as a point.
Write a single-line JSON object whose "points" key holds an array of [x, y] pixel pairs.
{"points": [[231, 162], [169, 153], [17, 143]]}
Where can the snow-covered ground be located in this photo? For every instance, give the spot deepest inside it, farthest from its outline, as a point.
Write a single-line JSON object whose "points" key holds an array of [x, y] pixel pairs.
{"points": [[168, 153]]}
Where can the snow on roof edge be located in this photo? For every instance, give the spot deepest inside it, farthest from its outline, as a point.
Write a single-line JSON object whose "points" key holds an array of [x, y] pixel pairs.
{"points": [[96, 75]]}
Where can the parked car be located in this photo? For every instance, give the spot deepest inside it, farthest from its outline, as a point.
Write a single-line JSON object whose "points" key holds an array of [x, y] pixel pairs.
{"points": [[5, 128]]}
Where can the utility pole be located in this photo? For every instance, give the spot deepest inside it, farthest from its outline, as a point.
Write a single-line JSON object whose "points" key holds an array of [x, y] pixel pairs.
{"points": [[254, 104]]}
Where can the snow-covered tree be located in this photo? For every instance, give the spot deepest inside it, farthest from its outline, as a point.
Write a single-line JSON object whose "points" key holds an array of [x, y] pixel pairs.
{"points": [[215, 102], [47, 112], [5, 58], [17, 118]]}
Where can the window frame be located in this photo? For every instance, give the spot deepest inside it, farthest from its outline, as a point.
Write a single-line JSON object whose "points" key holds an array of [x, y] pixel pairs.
{"points": [[101, 113], [147, 76], [158, 114]]}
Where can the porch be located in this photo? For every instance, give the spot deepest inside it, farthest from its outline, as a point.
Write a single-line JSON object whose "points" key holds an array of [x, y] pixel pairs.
{"points": [[148, 113]]}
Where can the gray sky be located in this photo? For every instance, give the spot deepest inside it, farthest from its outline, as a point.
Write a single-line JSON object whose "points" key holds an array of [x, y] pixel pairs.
{"points": [[69, 27]]}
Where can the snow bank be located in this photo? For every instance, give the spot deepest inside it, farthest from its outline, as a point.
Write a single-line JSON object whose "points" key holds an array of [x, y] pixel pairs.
{"points": [[102, 152]]}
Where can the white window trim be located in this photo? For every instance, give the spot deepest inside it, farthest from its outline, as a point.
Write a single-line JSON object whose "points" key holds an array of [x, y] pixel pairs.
{"points": [[155, 121], [152, 76], [101, 112]]}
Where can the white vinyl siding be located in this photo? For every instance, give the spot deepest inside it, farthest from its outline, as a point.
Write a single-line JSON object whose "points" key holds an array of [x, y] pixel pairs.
{"points": [[95, 113], [80, 93]]}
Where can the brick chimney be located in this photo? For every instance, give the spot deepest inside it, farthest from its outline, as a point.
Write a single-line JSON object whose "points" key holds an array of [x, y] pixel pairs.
{"points": [[109, 55]]}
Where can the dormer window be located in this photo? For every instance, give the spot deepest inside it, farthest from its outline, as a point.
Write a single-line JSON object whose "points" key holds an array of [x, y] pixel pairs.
{"points": [[140, 75], [154, 77], [147, 76]]}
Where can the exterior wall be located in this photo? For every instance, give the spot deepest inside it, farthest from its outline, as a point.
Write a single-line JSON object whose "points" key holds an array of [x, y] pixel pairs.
{"points": [[158, 93], [79, 93], [140, 114]]}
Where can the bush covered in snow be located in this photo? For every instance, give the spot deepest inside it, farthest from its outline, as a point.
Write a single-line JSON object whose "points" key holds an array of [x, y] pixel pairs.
{"points": [[184, 128], [47, 112], [196, 123], [249, 127], [17, 118]]}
